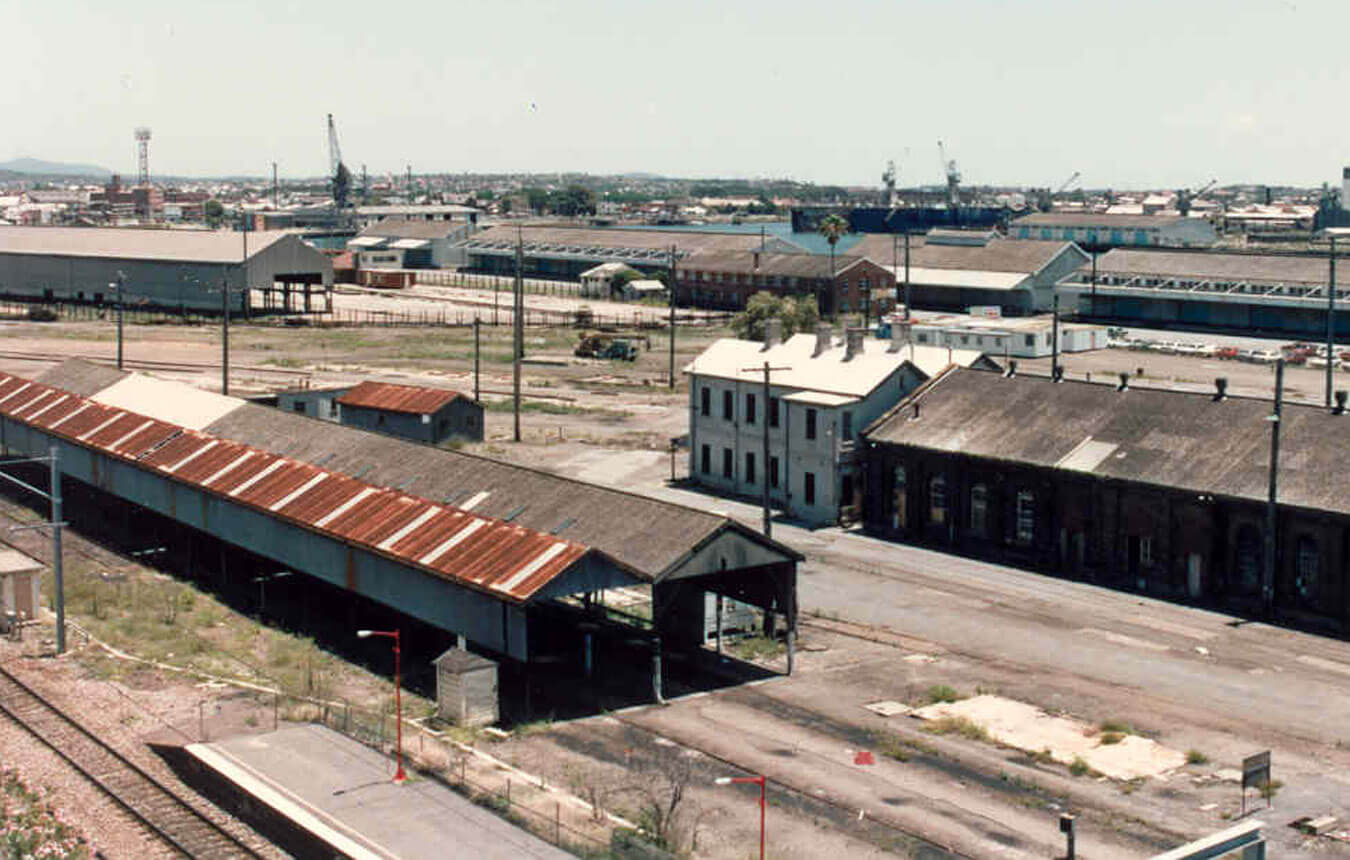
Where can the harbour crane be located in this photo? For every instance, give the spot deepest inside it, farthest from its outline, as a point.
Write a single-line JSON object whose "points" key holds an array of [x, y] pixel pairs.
{"points": [[339, 175], [1185, 197], [953, 176], [1045, 197], [888, 179]]}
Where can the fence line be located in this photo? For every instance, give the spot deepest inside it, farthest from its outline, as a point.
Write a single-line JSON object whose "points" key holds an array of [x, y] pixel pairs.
{"points": [[344, 317]]}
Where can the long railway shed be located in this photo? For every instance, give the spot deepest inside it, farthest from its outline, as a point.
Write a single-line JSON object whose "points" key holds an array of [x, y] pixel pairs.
{"points": [[165, 269], [472, 546]]}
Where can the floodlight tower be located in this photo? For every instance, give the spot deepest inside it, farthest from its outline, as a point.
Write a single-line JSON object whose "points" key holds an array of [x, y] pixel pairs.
{"points": [[143, 151]]}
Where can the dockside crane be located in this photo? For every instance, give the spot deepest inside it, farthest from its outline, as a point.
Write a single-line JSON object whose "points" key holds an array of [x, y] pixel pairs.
{"points": [[1045, 198], [1186, 197], [953, 176], [338, 174], [888, 179]]}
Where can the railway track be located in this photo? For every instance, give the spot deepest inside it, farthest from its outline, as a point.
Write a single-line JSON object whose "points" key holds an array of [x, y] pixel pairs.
{"points": [[164, 813], [151, 364]]}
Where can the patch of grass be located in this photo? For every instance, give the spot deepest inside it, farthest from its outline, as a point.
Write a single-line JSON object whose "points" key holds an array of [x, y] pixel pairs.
{"points": [[1116, 727], [1196, 757], [1043, 756], [1079, 767], [1132, 786], [957, 725], [939, 693], [1270, 787], [751, 648], [1110, 738], [891, 745]]}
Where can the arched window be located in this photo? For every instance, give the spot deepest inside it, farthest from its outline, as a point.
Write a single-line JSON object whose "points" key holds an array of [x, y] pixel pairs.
{"points": [[1309, 562], [1026, 516], [937, 500], [1248, 559], [979, 510], [898, 497]]}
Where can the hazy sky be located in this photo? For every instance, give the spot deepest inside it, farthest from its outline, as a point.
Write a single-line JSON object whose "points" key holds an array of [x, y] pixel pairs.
{"points": [[1133, 94]]}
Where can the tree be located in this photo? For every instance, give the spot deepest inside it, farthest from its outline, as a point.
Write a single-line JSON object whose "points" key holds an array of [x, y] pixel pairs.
{"points": [[538, 200], [832, 227], [797, 315], [573, 200], [213, 211]]}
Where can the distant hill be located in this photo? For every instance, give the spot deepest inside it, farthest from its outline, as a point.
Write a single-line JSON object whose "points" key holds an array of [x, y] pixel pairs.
{"points": [[36, 166]]}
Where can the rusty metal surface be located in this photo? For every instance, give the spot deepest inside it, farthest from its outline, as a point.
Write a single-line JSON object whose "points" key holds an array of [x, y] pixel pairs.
{"points": [[506, 560], [413, 399]]}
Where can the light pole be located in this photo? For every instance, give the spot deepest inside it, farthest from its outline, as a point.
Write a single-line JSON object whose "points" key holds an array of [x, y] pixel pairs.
{"points": [[117, 286], [262, 585], [756, 780], [399, 776]]}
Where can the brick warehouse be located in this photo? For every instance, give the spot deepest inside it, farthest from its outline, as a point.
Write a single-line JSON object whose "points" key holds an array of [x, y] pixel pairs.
{"points": [[727, 280], [1161, 492]]}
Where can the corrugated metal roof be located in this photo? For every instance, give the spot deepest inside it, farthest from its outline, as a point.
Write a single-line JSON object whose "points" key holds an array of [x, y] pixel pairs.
{"points": [[1102, 219], [1186, 440], [963, 278], [391, 397], [198, 246], [1216, 266], [1027, 256], [828, 372], [505, 559]]}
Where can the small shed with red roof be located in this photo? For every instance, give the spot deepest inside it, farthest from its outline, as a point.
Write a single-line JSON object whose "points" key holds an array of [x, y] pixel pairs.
{"points": [[420, 413]]}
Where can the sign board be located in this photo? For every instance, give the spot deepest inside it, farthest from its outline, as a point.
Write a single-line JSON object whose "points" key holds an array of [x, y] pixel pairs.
{"points": [[1256, 770], [992, 312]]}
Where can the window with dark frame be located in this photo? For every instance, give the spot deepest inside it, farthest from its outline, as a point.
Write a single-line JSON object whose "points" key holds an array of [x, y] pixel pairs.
{"points": [[810, 424], [749, 409]]}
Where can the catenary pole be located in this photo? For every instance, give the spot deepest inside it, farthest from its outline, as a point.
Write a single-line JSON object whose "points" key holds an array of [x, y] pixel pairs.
{"points": [[518, 335], [671, 278], [1268, 568], [58, 573], [1331, 318]]}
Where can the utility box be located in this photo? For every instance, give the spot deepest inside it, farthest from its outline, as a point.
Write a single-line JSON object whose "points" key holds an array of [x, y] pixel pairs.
{"points": [[19, 577], [466, 688]]}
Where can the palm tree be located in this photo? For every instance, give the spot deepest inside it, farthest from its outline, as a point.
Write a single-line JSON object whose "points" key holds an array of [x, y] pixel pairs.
{"points": [[832, 226]]}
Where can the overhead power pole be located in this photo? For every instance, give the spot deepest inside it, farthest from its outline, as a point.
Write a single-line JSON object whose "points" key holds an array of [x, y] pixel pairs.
{"points": [[1331, 317], [764, 467], [1054, 337], [224, 330], [671, 277], [121, 280], [1268, 568], [476, 342], [908, 312], [518, 334]]}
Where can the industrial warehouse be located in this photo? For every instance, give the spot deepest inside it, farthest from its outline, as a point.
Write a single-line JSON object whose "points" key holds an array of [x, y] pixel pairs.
{"points": [[505, 558], [175, 270]]}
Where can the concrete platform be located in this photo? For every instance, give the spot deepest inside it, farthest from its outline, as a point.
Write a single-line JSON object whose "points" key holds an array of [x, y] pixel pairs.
{"points": [[335, 793]]}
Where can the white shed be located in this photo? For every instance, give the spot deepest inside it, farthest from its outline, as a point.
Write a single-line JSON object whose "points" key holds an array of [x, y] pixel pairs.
{"points": [[19, 576], [466, 688]]}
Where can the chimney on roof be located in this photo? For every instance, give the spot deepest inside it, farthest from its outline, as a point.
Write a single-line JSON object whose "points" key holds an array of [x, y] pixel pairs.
{"points": [[900, 333], [1012, 368], [1339, 408], [1124, 382], [824, 338], [854, 338], [1220, 388], [773, 333]]}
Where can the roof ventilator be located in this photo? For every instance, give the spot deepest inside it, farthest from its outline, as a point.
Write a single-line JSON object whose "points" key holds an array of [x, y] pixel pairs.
{"points": [[1124, 382], [1220, 388], [853, 342], [773, 333], [824, 339], [1339, 408], [900, 331]]}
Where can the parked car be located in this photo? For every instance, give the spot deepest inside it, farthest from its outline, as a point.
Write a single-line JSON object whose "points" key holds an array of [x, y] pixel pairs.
{"points": [[1226, 352]]}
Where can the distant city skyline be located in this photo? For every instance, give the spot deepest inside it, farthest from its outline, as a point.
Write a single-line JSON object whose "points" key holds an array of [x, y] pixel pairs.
{"points": [[1150, 95]]}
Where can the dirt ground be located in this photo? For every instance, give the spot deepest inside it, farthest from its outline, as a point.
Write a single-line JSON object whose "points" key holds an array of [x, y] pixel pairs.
{"points": [[612, 422]]}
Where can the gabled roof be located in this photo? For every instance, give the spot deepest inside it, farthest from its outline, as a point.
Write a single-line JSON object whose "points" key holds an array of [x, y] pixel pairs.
{"points": [[503, 559], [188, 246], [645, 536], [1186, 440], [794, 265], [1218, 266], [1102, 219], [828, 373], [1026, 256], [389, 397], [408, 228]]}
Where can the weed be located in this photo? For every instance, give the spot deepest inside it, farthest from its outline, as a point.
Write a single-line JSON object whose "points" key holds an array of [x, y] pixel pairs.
{"points": [[942, 693], [891, 746], [1109, 738], [958, 725], [752, 648], [1196, 757], [1116, 727], [1269, 787], [1044, 756], [1079, 767]]}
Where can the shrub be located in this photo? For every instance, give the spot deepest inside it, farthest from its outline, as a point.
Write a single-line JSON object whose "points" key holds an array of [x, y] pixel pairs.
{"points": [[1109, 738], [943, 693], [1196, 757], [963, 726], [1079, 767]]}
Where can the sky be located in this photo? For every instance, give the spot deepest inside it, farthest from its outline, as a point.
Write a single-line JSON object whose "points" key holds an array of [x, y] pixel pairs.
{"points": [[1138, 94]]}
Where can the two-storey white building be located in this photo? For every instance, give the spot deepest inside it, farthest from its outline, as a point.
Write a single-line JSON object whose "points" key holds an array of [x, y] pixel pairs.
{"points": [[822, 394]]}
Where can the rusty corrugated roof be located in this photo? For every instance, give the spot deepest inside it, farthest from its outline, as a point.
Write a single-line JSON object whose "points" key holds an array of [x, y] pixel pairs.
{"points": [[391, 397], [508, 561]]}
